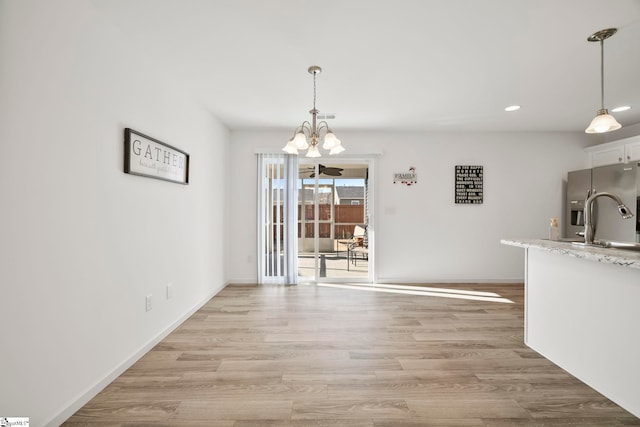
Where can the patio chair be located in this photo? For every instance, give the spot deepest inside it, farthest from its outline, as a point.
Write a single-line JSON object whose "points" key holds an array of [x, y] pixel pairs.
{"points": [[358, 245], [359, 235]]}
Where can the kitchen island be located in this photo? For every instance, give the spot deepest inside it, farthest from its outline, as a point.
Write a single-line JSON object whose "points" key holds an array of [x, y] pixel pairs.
{"points": [[582, 312]]}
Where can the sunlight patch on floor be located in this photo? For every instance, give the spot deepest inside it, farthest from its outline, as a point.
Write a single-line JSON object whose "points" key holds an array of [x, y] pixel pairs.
{"points": [[422, 291]]}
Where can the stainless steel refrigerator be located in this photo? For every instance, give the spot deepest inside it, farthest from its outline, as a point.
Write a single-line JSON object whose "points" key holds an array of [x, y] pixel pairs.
{"points": [[622, 179]]}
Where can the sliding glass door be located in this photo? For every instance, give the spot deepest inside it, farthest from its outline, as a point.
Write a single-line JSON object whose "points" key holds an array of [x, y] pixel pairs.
{"points": [[335, 239]]}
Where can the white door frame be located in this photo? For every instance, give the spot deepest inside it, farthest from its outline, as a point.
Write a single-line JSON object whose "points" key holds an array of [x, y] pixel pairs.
{"points": [[371, 163]]}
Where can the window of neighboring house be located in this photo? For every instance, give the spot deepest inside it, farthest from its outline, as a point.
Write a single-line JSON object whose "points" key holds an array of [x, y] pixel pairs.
{"points": [[355, 202]]}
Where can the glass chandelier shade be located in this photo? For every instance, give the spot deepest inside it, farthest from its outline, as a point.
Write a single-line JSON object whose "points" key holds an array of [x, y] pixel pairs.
{"points": [[313, 151], [300, 141], [309, 134], [603, 122]]}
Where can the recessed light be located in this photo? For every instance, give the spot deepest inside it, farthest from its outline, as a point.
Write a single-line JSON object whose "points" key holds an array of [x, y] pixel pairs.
{"points": [[621, 108], [512, 108]]}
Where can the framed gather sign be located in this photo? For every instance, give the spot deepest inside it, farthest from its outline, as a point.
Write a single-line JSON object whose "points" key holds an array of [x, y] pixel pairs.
{"points": [[146, 156]]}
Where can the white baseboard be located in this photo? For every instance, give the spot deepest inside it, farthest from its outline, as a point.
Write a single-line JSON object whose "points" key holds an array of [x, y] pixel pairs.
{"points": [[391, 280], [432, 280], [85, 397], [253, 281]]}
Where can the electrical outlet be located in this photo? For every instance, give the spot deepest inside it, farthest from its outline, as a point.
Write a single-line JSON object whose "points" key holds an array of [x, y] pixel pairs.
{"points": [[148, 302], [169, 290]]}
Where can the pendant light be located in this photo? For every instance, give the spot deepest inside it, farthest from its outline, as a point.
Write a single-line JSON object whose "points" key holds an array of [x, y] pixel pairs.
{"points": [[603, 122], [307, 135]]}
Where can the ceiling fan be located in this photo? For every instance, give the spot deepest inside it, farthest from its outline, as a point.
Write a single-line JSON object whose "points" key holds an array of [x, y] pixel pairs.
{"points": [[324, 170]]}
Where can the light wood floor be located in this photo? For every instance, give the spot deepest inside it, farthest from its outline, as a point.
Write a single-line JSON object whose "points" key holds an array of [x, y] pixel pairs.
{"points": [[317, 356]]}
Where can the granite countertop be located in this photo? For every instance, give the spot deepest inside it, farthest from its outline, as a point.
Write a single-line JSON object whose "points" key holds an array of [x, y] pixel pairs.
{"points": [[625, 258]]}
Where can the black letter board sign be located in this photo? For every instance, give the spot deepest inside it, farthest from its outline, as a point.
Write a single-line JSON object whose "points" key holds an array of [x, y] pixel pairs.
{"points": [[469, 184]]}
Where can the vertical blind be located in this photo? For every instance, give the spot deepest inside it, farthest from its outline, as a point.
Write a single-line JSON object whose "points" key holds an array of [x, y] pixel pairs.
{"points": [[277, 218]]}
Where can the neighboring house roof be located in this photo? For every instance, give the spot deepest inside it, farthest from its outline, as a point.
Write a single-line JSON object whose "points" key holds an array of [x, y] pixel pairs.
{"points": [[308, 197], [343, 192], [349, 192], [278, 194]]}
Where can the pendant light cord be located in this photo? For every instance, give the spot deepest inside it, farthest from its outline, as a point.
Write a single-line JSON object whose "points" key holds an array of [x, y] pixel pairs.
{"points": [[314, 90], [602, 73]]}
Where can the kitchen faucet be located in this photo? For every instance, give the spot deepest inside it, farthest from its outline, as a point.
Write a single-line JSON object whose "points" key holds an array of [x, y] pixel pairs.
{"points": [[589, 229]]}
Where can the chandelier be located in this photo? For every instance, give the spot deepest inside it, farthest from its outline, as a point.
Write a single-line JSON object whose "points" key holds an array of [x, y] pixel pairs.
{"points": [[308, 135], [603, 122]]}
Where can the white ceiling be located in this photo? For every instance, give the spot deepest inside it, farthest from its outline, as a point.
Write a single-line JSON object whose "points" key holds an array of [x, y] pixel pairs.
{"points": [[447, 65]]}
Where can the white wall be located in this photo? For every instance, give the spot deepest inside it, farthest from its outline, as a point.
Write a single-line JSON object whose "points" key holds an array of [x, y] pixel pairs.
{"points": [[421, 235], [81, 242]]}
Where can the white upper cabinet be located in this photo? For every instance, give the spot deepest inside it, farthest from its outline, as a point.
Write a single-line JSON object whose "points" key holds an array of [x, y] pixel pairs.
{"points": [[632, 151], [622, 151], [607, 156]]}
